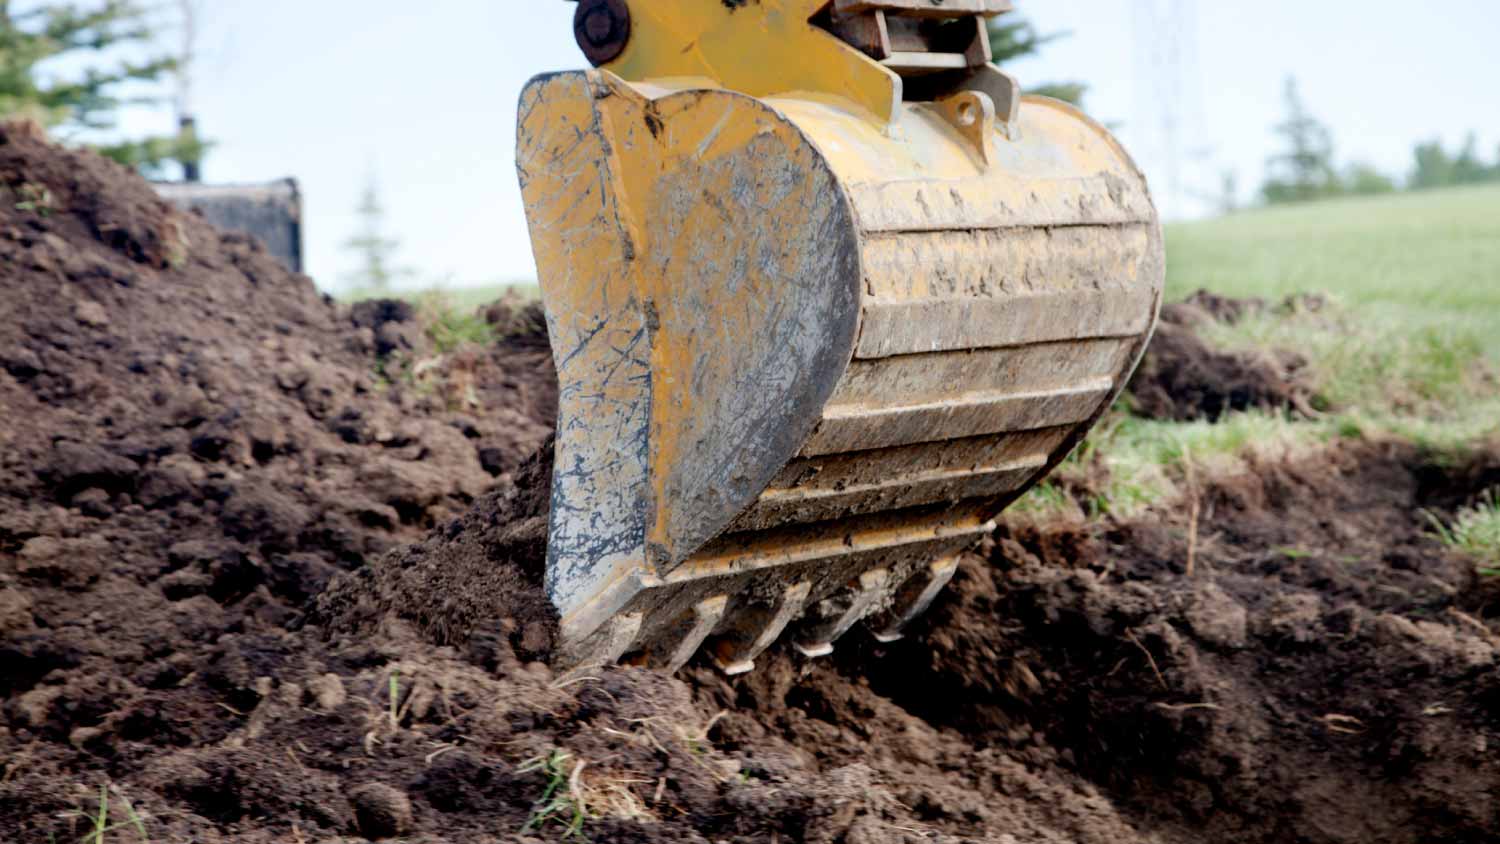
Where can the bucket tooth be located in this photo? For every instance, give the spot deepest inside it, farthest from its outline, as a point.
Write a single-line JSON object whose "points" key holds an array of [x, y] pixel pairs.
{"points": [[705, 616], [619, 634], [913, 598], [757, 629], [847, 609]]}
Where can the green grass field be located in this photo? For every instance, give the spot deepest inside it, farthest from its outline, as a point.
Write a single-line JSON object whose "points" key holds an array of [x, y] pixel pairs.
{"points": [[1431, 251], [1405, 261], [1414, 280], [1416, 283]]}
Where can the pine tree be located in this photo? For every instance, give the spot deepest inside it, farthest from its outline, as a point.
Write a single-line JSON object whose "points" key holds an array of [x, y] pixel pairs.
{"points": [[1012, 38], [374, 249], [1305, 171], [89, 34]]}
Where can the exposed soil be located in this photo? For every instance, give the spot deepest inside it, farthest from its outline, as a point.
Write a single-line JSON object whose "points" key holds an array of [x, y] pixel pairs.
{"points": [[193, 444], [1183, 378], [1306, 665]]}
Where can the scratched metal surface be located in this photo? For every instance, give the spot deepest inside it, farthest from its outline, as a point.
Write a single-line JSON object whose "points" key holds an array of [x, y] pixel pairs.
{"points": [[754, 256], [599, 339], [698, 331]]}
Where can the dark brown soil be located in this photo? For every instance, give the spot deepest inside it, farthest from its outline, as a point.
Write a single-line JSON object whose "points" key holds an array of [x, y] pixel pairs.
{"points": [[188, 461], [475, 579], [1183, 378], [1308, 666], [193, 443]]}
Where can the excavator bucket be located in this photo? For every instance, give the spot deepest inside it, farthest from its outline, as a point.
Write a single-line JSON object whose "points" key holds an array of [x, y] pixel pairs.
{"points": [[826, 294]]}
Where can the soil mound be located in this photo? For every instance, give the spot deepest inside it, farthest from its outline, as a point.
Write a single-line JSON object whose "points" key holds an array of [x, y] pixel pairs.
{"points": [[1183, 378], [1312, 666], [478, 577], [194, 443], [150, 359]]}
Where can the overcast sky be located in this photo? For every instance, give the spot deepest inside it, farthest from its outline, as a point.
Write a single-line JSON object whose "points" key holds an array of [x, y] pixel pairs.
{"points": [[423, 96]]}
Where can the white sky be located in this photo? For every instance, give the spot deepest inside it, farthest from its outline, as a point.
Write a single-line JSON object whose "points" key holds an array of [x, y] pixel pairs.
{"points": [[424, 96]]}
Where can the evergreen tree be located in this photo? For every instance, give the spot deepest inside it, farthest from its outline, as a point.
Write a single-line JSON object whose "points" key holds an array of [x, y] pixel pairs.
{"points": [[1013, 38], [1305, 171], [92, 35], [375, 250]]}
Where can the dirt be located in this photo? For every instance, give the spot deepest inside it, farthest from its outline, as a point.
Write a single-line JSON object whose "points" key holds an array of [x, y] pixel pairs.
{"points": [[1183, 378], [474, 580], [196, 445], [1287, 657]]}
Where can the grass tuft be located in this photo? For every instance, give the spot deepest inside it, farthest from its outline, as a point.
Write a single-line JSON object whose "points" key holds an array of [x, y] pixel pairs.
{"points": [[34, 198], [451, 325], [1475, 531], [1130, 464], [560, 803], [101, 821], [99, 824], [395, 700], [136, 821]]}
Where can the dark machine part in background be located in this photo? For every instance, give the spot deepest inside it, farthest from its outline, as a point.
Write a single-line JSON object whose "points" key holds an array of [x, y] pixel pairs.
{"points": [[270, 212]]}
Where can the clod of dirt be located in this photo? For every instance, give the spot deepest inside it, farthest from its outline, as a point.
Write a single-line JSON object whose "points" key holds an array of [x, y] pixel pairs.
{"points": [[327, 691], [391, 324], [479, 575], [15, 611], [1182, 378], [380, 811]]}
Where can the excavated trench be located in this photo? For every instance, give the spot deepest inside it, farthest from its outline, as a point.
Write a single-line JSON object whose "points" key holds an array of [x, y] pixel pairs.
{"points": [[264, 579]]}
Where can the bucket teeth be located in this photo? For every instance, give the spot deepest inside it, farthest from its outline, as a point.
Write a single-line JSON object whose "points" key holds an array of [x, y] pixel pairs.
{"points": [[913, 598], [705, 616], [754, 631], [845, 610]]}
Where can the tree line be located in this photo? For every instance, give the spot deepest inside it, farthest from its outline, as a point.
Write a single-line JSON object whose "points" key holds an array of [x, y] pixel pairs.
{"points": [[1305, 169]]}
